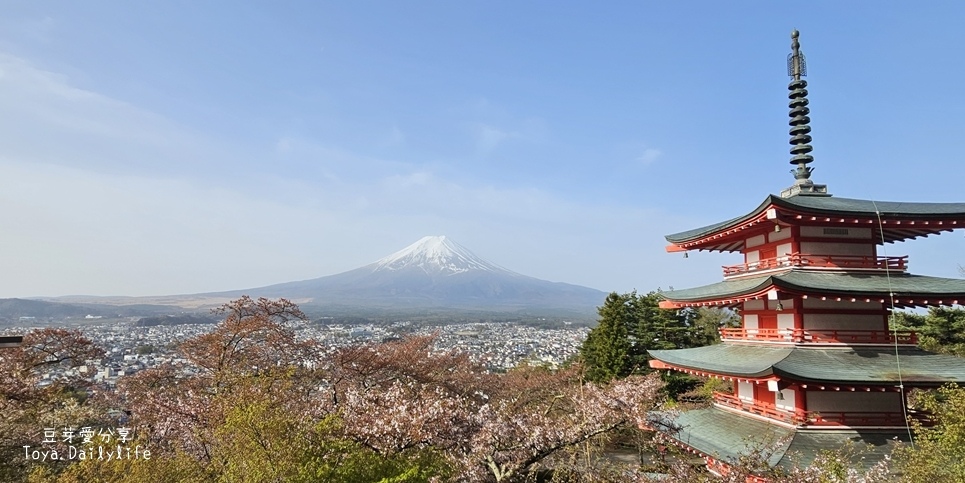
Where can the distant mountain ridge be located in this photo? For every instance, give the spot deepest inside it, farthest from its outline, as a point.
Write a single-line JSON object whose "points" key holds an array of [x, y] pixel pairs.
{"points": [[434, 272], [12, 309]]}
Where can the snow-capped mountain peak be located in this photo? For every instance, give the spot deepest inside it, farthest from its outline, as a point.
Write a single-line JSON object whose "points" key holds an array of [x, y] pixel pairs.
{"points": [[436, 255]]}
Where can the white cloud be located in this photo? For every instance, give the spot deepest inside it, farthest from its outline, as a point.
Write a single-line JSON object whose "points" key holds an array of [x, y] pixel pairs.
{"points": [[649, 155], [36, 30], [83, 232], [405, 181], [283, 145], [489, 137], [46, 119], [395, 137], [104, 197]]}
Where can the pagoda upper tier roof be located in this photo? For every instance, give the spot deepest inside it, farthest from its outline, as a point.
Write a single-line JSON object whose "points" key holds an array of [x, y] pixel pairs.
{"points": [[909, 290], [728, 436], [848, 366], [899, 220]]}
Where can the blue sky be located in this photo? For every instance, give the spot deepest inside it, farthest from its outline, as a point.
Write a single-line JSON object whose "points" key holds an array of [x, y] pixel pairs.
{"points": [[182, 147]]}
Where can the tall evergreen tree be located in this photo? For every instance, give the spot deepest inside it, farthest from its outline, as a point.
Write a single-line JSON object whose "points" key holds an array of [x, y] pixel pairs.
{"points": [[942, 329], [606, 350], [656, 328], [630, 325], [704, 324]]}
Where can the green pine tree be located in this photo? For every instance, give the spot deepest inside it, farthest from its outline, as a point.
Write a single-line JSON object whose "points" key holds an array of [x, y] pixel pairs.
{"points": [[606, 350], [631, 325]]}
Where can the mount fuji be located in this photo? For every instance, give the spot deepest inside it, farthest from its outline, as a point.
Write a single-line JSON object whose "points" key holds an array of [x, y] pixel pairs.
{"points": [[434, 272]]}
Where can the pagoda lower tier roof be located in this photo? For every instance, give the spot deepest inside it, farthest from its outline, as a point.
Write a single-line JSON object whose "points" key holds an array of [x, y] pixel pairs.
{"points": [[847, 366], [726, 436], [908, 290], [900, 220]]}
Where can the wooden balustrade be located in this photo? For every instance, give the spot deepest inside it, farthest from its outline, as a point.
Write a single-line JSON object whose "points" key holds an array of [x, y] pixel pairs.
{"points": [[823, 418], [801, 336], [855, 418], [761, 409], [820, 261]]}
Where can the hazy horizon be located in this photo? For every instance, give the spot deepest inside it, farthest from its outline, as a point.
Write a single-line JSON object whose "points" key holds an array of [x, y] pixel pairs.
{"points": [[180, 148]]}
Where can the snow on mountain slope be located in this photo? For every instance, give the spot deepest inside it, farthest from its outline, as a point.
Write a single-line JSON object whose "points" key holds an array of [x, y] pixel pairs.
{"points": [[434, 272], [436, 255]]}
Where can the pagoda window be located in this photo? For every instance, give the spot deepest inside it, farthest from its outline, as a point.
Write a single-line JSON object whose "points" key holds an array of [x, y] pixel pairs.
{"points": [[745, 391], [752, 258], [781, 304], [847, 249], [771, 255], [784, 249], [817, 303], [836, 232], [755, 241], [776, 236], [843, 321], [785, 321], [750, 321], [754, 305], [785, 399], [828, 402]]}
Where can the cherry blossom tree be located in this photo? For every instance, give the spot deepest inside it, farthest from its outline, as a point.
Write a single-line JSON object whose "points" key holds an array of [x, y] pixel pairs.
{"points": [[537, 413], [180, 404], [401, 407], [498, 427], [27, 406]]}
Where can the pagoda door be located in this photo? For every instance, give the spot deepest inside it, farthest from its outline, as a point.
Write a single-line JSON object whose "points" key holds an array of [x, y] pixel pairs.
{"points": [[768, 257], [762, 396], [767, 321]]}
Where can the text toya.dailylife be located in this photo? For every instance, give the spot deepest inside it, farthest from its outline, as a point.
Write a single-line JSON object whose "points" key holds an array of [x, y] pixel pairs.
{"points": [[99, 452]]}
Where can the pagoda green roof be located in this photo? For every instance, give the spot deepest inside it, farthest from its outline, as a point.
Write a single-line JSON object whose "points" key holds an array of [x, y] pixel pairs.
{"points": [[727, 436], [865, 366], [906, 287], [739, 360], [834, 206]]}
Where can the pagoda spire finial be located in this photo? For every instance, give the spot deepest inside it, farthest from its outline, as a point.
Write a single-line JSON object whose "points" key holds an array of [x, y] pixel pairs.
{"points": [[796, 65], [800, 124]]}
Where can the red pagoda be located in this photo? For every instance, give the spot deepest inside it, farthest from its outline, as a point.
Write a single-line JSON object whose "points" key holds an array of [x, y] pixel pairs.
{"points": [[814, 364]]}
